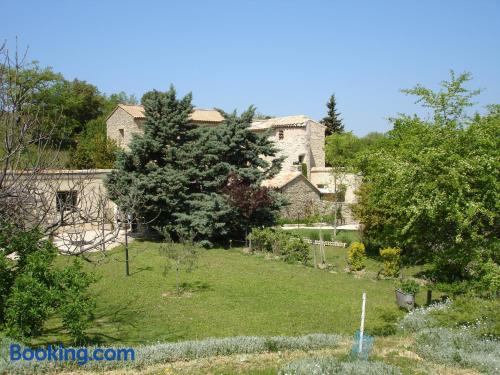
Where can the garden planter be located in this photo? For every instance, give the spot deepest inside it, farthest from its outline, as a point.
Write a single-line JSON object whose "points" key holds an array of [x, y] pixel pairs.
{"points": [[406, 301]]}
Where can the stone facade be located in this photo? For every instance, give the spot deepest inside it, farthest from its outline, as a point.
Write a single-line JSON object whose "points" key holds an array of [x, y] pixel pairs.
{"points": [[303, 198], [120, 126]]}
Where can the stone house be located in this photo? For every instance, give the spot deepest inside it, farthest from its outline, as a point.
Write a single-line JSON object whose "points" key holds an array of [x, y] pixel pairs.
{"points": [[304, 199], [127, 120], [298, 138], [304, 179]]}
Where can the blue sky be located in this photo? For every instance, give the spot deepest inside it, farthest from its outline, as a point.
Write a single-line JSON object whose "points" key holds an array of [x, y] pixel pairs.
{"points": [[285, 57]]}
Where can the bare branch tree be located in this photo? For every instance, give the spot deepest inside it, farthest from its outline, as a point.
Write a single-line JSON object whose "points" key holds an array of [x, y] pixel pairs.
{"points": [[70, 207]]}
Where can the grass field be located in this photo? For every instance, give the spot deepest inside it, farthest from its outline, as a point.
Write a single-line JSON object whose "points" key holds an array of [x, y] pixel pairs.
{"points": [[228, 294]]}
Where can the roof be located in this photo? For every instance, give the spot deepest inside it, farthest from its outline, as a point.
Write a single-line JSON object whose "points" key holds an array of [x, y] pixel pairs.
{"points": [[198, 114], [206, 115], [286, 121], [282, 179], [136, 111]]}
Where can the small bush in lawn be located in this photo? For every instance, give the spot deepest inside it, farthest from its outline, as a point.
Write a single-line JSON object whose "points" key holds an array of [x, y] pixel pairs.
{"points": [[386, 325], [296, 250], [391, 257], [356, 256], [262, 239], [331, 366], [280, 240]]}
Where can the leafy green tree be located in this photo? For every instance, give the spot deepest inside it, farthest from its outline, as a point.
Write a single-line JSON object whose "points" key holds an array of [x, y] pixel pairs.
{"points": [[433, 188], [93, 148], [69, 105], [34, 289], [332, 121], [451, 102]]}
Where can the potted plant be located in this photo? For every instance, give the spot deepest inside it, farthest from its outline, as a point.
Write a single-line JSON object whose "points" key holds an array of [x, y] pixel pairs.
{"points": [[405, 294]]}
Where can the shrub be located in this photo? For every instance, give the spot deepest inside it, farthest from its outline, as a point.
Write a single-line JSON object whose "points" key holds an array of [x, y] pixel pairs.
{"points": [[409, 286], [470, 310], [421, 317], [391, 257], [489, 282], [148, 355], [459, 347], [262, 239], [296, 250], [35, 288], [386, 325], [356, 256], [280, 240], [331, 366]]}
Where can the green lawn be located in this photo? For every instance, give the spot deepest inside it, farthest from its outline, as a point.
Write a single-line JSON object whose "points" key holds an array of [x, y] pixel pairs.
{"points": [[230, 294]]}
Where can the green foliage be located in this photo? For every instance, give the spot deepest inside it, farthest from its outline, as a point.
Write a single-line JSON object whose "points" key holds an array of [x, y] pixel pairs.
{"points": [[74, 304], [262, 239], [33, 289], [391, 256], [296, 250], [182, 170], [356, 256], [386, 325], [489, 281], [280, 242], [409, 286], [93, 148], [433, 188], [450, 103], [469, 310], [332, 121]]}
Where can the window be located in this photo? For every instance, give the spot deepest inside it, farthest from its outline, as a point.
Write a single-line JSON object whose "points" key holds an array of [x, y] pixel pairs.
{"points": [[66, 200], [281, 134], [122, 136], [301, 158]]}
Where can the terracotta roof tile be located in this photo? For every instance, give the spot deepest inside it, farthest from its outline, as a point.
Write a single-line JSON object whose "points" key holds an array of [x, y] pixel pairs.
{"points": [[198, 114]]}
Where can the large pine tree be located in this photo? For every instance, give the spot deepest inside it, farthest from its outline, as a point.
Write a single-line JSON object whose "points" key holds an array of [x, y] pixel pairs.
{"points": [[154, 163], [183, 170], [332, 121]]}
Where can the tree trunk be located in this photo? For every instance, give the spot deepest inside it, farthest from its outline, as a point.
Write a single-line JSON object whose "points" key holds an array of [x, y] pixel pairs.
{"points": [[127, 272], [177, 280]]}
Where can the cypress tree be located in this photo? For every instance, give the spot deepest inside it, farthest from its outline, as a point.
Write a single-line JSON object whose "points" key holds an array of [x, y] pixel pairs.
{"points": [[332, 121]]}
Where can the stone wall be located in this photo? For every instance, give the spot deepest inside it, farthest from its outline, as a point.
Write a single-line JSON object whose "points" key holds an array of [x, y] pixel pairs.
{"points": [[317, 144], [304, 200], [293, 144], [120, 119], [324, 177]]}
